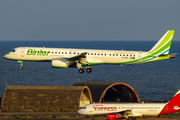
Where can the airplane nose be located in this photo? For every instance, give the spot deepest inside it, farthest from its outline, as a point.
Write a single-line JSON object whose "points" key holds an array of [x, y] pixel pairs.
{"points": [[79, 111], [5, 56]]}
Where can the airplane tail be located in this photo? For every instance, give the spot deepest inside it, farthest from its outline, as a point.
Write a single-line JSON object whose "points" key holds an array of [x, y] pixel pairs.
{"points": [[162, 47], [175, 99], [173, 105]]}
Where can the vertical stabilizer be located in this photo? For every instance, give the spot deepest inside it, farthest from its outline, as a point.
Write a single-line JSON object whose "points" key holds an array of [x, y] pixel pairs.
{"points": [[163, 45], [175, 99], [173, 105]]}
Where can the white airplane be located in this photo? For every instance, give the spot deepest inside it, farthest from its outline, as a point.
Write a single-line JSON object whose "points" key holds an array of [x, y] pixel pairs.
{"points": [[131, 110], [64, 57]]}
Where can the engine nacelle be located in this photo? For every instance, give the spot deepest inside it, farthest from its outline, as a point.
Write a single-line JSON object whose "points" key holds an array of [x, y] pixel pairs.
{"points": [[59, 64], [114, 116]]}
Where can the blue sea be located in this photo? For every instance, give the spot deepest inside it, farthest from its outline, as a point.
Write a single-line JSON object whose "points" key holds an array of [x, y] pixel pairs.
{"points": [[152, 81]]}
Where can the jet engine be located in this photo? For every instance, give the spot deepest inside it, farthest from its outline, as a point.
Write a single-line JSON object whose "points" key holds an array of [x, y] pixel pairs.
{"points": [[59, 63], [114, 116]]}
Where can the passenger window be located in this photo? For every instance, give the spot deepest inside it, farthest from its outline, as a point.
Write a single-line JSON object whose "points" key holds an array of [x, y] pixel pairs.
{"points": [[91, 53]]}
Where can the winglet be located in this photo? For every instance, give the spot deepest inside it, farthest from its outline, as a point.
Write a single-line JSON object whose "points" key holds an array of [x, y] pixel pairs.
{"points": [[163, 45]]}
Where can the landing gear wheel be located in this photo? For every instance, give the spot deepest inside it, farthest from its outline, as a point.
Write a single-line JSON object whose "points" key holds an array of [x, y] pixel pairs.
{"points": [[81, 70], [21, 64], [21, 67], [88, 70]]}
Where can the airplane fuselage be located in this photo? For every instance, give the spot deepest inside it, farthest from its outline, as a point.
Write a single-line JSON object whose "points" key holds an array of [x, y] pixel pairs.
{"points": [[64, 57], [126, 110], [138, 109], [94, 57]]}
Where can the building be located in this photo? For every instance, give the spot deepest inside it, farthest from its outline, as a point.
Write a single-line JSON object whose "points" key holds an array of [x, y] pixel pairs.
{"points": [[110, 92]]}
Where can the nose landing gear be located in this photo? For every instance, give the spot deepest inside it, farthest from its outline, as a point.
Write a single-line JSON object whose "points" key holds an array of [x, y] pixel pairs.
{"points": [[21, 65]]}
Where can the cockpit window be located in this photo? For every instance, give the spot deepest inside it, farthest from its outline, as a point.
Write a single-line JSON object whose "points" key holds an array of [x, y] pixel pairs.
{"points": [[13, 51], [83, 107]]}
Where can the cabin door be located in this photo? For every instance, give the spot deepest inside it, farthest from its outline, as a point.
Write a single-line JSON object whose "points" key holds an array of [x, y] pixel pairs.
{"points": [[23, 51], [91, 109], [139, 56]]}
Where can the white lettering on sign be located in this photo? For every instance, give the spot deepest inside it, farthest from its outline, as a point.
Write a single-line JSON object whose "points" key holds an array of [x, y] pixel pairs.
{"points": [[104, 108]]}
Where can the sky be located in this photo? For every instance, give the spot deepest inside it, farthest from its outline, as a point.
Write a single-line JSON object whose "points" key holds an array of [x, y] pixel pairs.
{"points": [[118, 20]]}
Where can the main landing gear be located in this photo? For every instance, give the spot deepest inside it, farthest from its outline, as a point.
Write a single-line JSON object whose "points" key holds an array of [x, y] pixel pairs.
{"points": [[88, 70], [81, 70]]}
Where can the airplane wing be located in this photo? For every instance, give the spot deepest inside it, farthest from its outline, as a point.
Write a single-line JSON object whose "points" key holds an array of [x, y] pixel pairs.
{"points": [[129, 113], [78, 57], [74, 61], [81, 58], [125, 114]]}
